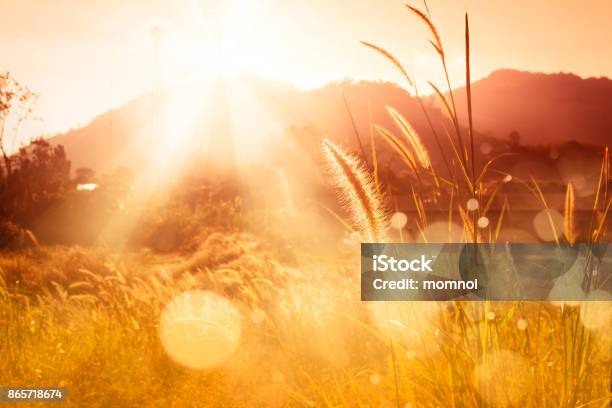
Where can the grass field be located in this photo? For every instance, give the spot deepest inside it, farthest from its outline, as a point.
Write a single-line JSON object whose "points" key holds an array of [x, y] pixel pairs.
{"points": [[89, 320]]}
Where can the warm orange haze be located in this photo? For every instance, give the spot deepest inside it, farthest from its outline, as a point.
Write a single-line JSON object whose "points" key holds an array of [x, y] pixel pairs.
{"points": [[86, 57], [186, 188]]}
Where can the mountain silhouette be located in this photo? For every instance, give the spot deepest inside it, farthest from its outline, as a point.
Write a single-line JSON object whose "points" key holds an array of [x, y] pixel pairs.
{"points": [[252, 116], [542, 108]]}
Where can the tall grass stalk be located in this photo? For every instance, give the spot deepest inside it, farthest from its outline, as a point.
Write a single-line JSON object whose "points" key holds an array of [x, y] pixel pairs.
{"points": [[373, 148], [481, 336], [437, 45], [353, 125], [399, 147], [412, 137], [359, 191], [568, 219], [415, 89], [468, 87]]}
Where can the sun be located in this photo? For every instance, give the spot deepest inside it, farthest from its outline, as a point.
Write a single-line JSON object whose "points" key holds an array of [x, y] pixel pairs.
{"points": [[213, 41]]}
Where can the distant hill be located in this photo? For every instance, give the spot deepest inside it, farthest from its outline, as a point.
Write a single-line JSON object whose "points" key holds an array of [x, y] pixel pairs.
{"points": [[255, 116], [252, 115], [542, 108]]}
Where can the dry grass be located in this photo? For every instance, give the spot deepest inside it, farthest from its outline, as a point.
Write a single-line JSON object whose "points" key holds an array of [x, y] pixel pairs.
{"points": [[317, 344], [88, 319], [570, 204], [358, 188], [505, 374], [412, 137]]}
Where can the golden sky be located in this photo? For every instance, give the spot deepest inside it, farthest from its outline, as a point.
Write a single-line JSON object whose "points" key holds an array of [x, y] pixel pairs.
{"points": [[83, 57]]}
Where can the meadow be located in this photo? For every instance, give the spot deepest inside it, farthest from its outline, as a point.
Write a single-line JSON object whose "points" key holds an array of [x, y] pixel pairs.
{"points": [[262, 308], [89, 320]]}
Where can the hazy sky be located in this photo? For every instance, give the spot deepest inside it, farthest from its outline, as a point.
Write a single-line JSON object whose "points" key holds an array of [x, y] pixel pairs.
{"points": [[84, 56]]}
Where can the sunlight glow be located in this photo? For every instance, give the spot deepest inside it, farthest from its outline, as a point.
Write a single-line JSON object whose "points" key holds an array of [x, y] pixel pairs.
{"points": [[413, 324], [214, 42], [200, 329], [87, 187], [503, 378], [178, 116]]}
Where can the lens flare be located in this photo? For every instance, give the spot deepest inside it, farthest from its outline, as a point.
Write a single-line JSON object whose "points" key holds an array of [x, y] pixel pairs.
{"points": [[548, 224], [567, 288], [258, 316], [375, 379], [596, 315], [398, 220], [503, 378], [412, 324], [472, 204], [200, 329], [485, 148], [441, 232], [483, 222]]}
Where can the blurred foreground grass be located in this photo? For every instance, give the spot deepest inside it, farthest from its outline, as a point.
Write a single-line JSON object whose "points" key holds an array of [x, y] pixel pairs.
{"points": [[88, 320]]}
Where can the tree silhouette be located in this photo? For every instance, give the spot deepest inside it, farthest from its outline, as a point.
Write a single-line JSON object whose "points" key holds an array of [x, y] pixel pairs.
{"points": [[84, 175], [16, 101], [40, 176], [514, 139]]}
